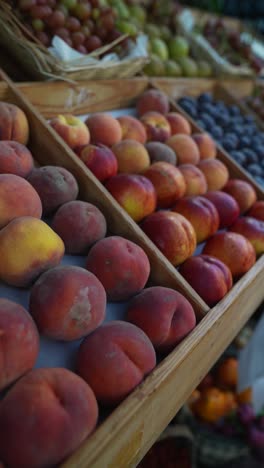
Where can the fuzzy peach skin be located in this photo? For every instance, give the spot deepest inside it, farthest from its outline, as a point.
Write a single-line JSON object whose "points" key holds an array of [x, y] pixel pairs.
{"points": [[253, 230], [100, 160], [243, 193], [152, 100], [186, 150], [202, 215], [71, 129], [67, 303], [226, 206], [168, 182], [79, 224], [172, 233], [165, 315], [194, 179], [45, 416], [28, 247], [15, 158], [156, 125], [257, 210], [19, 342], [114, 359], [55, 186], [215, 172], [121, 265], [206, 145], [17, 198], [132, 129], [160, 152], [208, 276], [13, 123], [178, 123], [232, 249], [135, 193], [104, 129], [132, 157]]}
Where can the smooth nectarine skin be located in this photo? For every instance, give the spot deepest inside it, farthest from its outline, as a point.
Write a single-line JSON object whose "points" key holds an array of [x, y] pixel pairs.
{"points": [[206, 145], [132, 129], [152, 100], [243, 193], [163, 314], [168, 182], [71, 129], [121, 265], [178, 123], [100, 160], [194, 179], [253, 230], [226, 206], [160, 152], [45, 417], [114, 359], [13, 123], [215, 172], [132, 157], [156, 125], [208, 276], [19, 342], [15, 158], [186, 150], [104, 129], [257, 210]]}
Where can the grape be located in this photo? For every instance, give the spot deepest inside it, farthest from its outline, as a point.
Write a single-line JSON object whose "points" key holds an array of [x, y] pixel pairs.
{"points": [[56, 19], [82, 11], [73, 24], [38, 24], [40, 11], [92, 43], [78, 38], [26, 5]]}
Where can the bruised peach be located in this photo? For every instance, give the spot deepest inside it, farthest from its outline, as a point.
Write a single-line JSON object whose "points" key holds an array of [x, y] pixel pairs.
{"points": [[194, 179], [206, 145], [226, 206], [178, 123], [215, 172], [100, 160], [132, 129], [104, 129], [13, 123], [132, 157], [257, 210], [243, 192], [71, 129], [185, 148], [160, 152], [168, 182], [152, 100], [253, 230], [156, 125], [15, 158]]}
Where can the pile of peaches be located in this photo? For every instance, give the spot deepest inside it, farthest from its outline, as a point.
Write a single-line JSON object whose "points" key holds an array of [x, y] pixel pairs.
{"points": [[169, 180]]}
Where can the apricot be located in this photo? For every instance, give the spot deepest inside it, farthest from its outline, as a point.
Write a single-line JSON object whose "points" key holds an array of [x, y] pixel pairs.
{"points": [[226, 206], [168, 182], [132, 157], [156, 125], [194, 179], [257, 210], [152, 100], [132, 129], [15, 158], [104, 129], [206, 145], [71, 129], [253, 230], [186, 150], [178, 123], [100, 160], [243, 192], [215, 172], [160, 152], [13, 123]]}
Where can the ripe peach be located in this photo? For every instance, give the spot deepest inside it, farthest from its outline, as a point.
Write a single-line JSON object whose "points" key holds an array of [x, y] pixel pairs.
{"points": [[13, 123], [156, 125], [132, 129], [79, 224], [194, 179], [226, 206], [132, 157], [51, 411], [160, 152], [19, 342], [168, 182], [15, 158], [257, 210], [55, 186], [135, 193], [114, 359], [71, 129], [17, 198], [253, 230], [234, 250], [202, 215], [215, 172], [178, 123], [206, 145], [185, 148], [208, 276], [121, 265], [104, 129], [100, 160], [163, 314], [152, 100], [172, 233], [28, 247], [243, 193]]}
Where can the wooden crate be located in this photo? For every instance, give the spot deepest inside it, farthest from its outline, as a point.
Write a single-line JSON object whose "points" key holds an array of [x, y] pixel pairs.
{"points": [[130, 430]]}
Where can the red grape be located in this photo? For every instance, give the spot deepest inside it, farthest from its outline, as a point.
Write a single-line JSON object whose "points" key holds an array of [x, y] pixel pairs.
{"points": [[73, 24], [43, 37], [25, 5], [78, 38], [82, 49], [62, 32], [40, 11], [85, 30], [93, 43], [56, 19]]}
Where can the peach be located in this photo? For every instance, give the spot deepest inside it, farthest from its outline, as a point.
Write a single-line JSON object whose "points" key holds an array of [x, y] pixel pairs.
{"points": [[79, 224], [172, 233], [50, 411], [156, 125], [257, 210], [215, 172], [19, 342], [163, 314], [160, 152], [28, 247], [17, 198], [194, 179], [104, 129], [100, 160], [153, 100], [135, 193], [186, 150], [71, 129], [132, 129], [132, 157], [202, 215], [55, 186], [114, 359], [15, 158], [168, 182], [253, 230], [208, 276], [243, 193], [178, 123], [226, 206], [121, 265], [234, 250], [13, 123], [206, 145]]}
